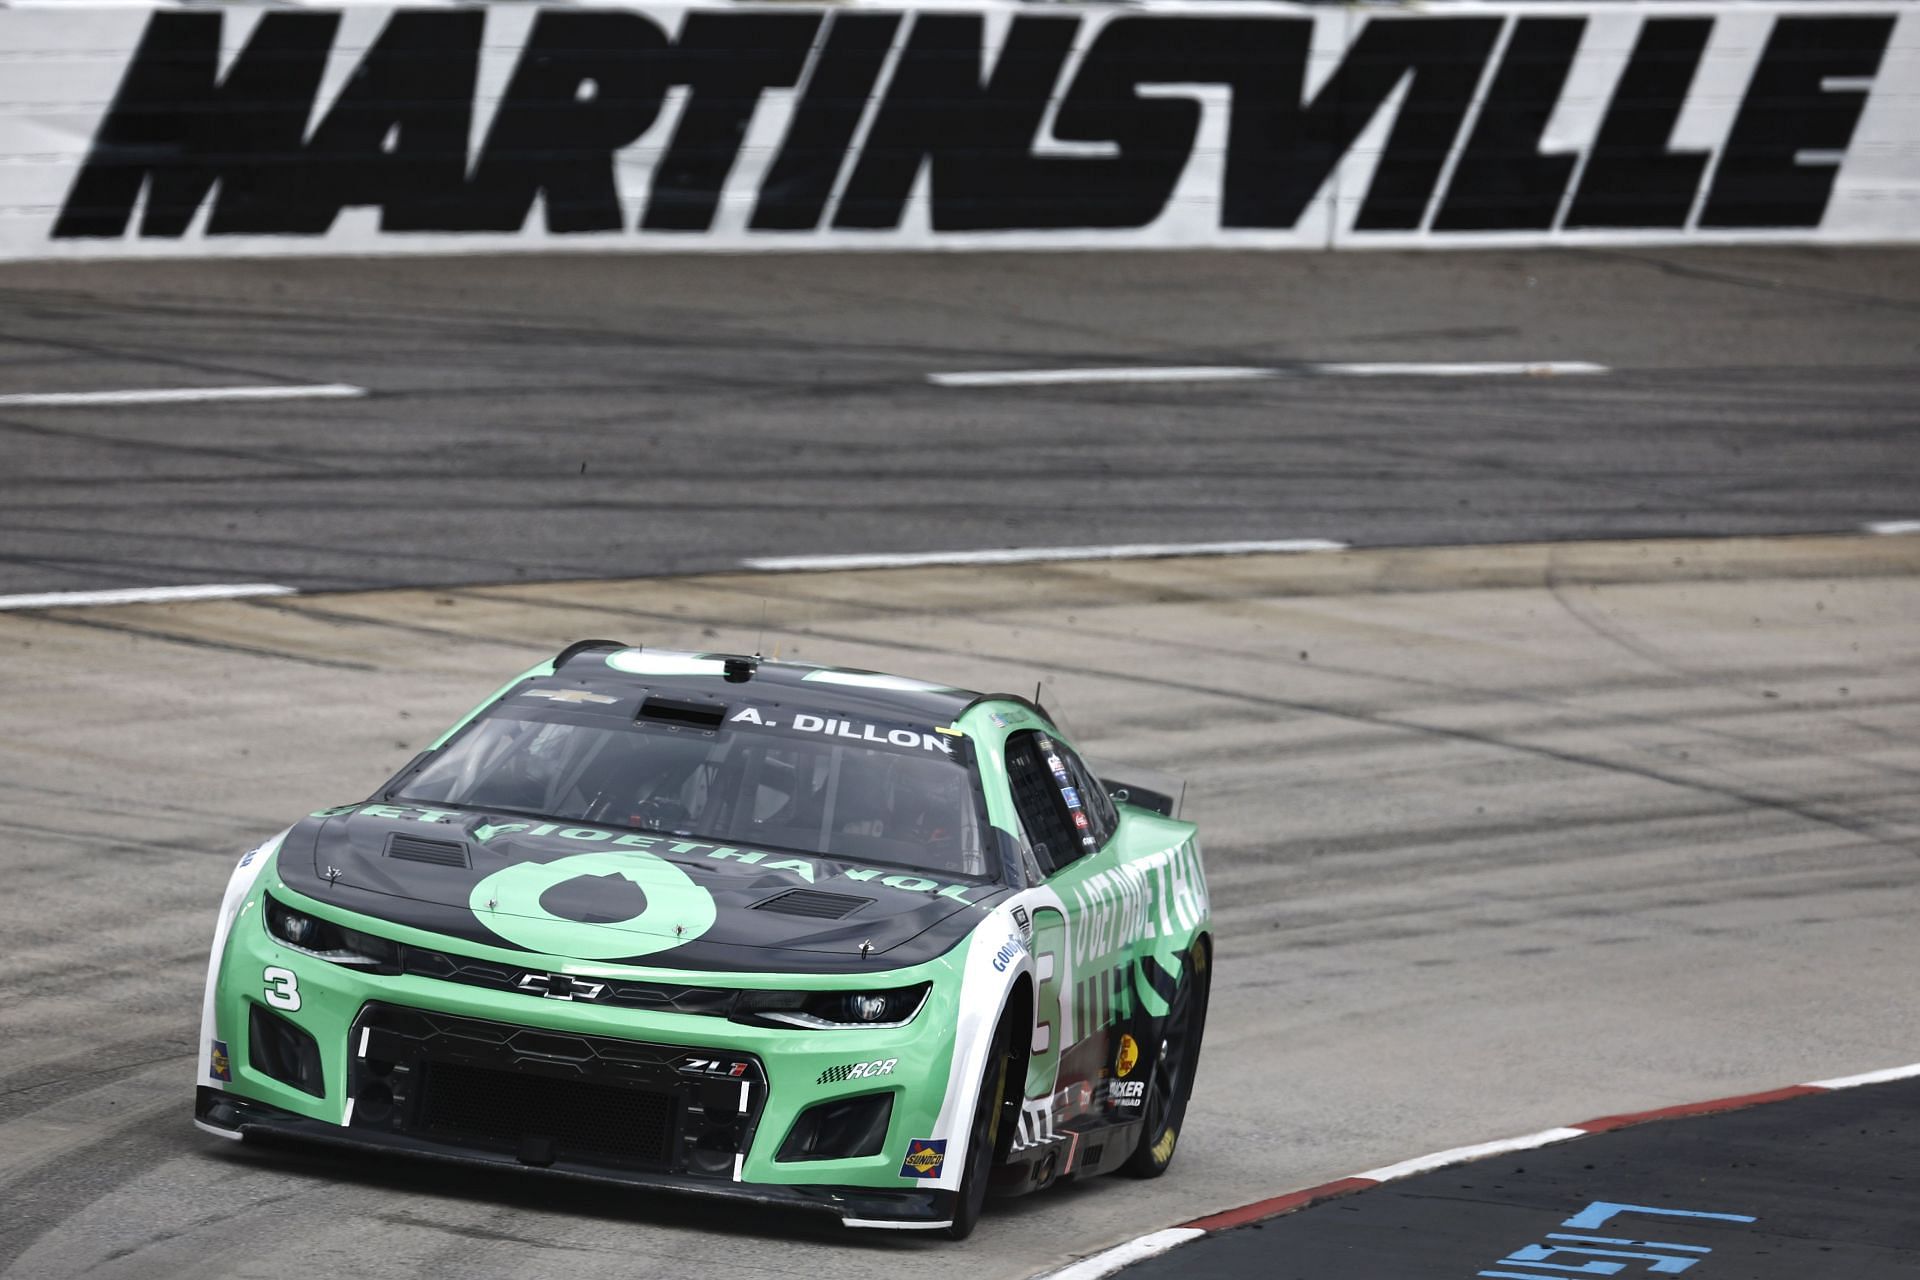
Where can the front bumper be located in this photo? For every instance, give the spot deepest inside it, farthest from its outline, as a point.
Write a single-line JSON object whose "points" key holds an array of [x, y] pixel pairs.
{"points": [[233, 1115], [495, 1075]]}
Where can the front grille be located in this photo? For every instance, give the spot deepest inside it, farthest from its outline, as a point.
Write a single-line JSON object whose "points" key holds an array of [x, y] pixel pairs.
{"points": [[812, 903], [578, 1117], [548, 1097], [666, 996]]}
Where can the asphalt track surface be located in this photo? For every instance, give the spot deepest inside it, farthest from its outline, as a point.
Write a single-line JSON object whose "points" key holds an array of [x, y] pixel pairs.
{"points": [[572, 417], [1802, 1190], [1496, 837]]}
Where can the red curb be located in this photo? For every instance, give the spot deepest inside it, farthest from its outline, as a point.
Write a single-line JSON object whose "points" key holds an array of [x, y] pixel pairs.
{"points": [[1606, 1123], [1277, 1205]]}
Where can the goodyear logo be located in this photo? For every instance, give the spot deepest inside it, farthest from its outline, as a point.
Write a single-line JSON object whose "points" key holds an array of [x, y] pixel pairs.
{"points": [[924, 1158], [1129, 1054], [217, 1065]]}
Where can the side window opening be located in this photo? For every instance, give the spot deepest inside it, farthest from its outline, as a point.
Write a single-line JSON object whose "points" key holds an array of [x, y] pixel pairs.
{"points": [[1063, 806], [1103, 818], [1036, 796]]}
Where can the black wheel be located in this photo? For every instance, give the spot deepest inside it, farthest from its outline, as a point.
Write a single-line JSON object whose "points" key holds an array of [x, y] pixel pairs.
{"points": [[1172, 1080], [984, 1140]]}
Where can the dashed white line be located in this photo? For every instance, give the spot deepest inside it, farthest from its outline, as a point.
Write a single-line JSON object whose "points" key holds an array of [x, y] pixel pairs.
{"points": [[179, 395], [1893, 527], [1484, 369], [144, 595], [1032, 555], [1119, 373], [1250, 373]]}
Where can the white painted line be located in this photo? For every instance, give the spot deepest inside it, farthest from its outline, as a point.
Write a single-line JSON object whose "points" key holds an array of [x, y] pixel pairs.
{"points": [[1440, 1159], [179, 395], [1248, 373], [1108, 1261], [1118, 373], [1868, 1077], [1032, 555], [346, 1120], [144, 595], [1485, 369], [1891, 527]]}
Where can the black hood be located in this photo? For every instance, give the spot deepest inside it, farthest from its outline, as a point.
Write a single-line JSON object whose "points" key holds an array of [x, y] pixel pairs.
{"points": [[771, 910]]}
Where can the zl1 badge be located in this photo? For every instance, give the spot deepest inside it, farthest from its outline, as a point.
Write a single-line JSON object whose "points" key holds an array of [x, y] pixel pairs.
{"points": [[924, 1158]]}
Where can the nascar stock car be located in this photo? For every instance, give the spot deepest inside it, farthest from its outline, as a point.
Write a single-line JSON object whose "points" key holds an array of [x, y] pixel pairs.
{"points": [[793, 935]]}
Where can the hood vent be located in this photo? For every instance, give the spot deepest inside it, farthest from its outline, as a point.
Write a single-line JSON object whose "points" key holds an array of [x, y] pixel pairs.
{"points": [[813, 904], [441, 853]]}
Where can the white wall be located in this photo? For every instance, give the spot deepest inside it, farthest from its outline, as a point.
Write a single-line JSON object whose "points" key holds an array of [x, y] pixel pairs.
{"points": [[736, 127]]}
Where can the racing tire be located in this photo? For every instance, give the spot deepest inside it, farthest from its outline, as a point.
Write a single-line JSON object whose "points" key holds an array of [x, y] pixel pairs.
{"points": [[1172, 1081], [983, 1142]]}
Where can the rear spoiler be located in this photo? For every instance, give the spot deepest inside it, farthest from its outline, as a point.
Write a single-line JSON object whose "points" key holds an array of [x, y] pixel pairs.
{"points": [[1143, 788]]}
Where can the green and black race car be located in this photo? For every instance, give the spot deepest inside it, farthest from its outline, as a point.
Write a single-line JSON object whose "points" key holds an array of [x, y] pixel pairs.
{"points": [[788, 934]]}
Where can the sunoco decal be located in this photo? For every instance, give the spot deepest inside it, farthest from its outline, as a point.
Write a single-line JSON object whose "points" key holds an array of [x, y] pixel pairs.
{"points": [[924, 1158]]}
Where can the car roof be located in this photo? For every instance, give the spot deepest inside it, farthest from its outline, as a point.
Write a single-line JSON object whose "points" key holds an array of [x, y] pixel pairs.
{"points": [[703, 676]]}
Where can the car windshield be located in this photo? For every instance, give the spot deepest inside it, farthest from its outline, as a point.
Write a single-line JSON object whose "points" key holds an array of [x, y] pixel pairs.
{"points": [[847, 789]]}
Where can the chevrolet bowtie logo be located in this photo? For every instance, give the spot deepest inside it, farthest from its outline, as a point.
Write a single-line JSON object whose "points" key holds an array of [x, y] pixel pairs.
{"points": [[560, 986]]}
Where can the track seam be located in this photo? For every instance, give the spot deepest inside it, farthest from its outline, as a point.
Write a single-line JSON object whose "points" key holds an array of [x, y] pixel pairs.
{"points": [[1154, 1243]]}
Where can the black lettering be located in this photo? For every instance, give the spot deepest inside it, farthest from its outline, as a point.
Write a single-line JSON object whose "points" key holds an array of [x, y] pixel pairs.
{"points": [[727, 60], [176, 127], [1283, 153], [1761, 181], [1502, 182], [1631, 179], [587, 84], [396, 136], [975, 139], [1154, 136], [795, 191]]}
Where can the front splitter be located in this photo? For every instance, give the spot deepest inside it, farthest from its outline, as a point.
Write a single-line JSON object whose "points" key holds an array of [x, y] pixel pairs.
{"points": [[232, 1115]]}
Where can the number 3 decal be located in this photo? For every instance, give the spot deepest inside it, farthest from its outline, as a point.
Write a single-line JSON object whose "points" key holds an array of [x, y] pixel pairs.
{"points": [[283, 987]]}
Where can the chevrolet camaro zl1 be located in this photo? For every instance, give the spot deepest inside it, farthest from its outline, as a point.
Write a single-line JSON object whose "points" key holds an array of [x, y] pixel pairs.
{"points": [[788, 934]]}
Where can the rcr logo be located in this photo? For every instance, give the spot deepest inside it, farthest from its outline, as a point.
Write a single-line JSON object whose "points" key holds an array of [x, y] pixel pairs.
{"points": [[858, 1071]]}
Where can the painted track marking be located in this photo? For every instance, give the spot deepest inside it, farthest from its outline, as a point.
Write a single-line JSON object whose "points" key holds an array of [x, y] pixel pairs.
{"points": [[144, 595], [1249, 373], [1108, 1261], [1893, 527], [1121, 373], [1031, 555], [179, 395], [1484, 369]]}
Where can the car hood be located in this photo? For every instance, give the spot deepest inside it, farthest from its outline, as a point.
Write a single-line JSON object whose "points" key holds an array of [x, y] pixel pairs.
{"points": [[620, 896]]}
